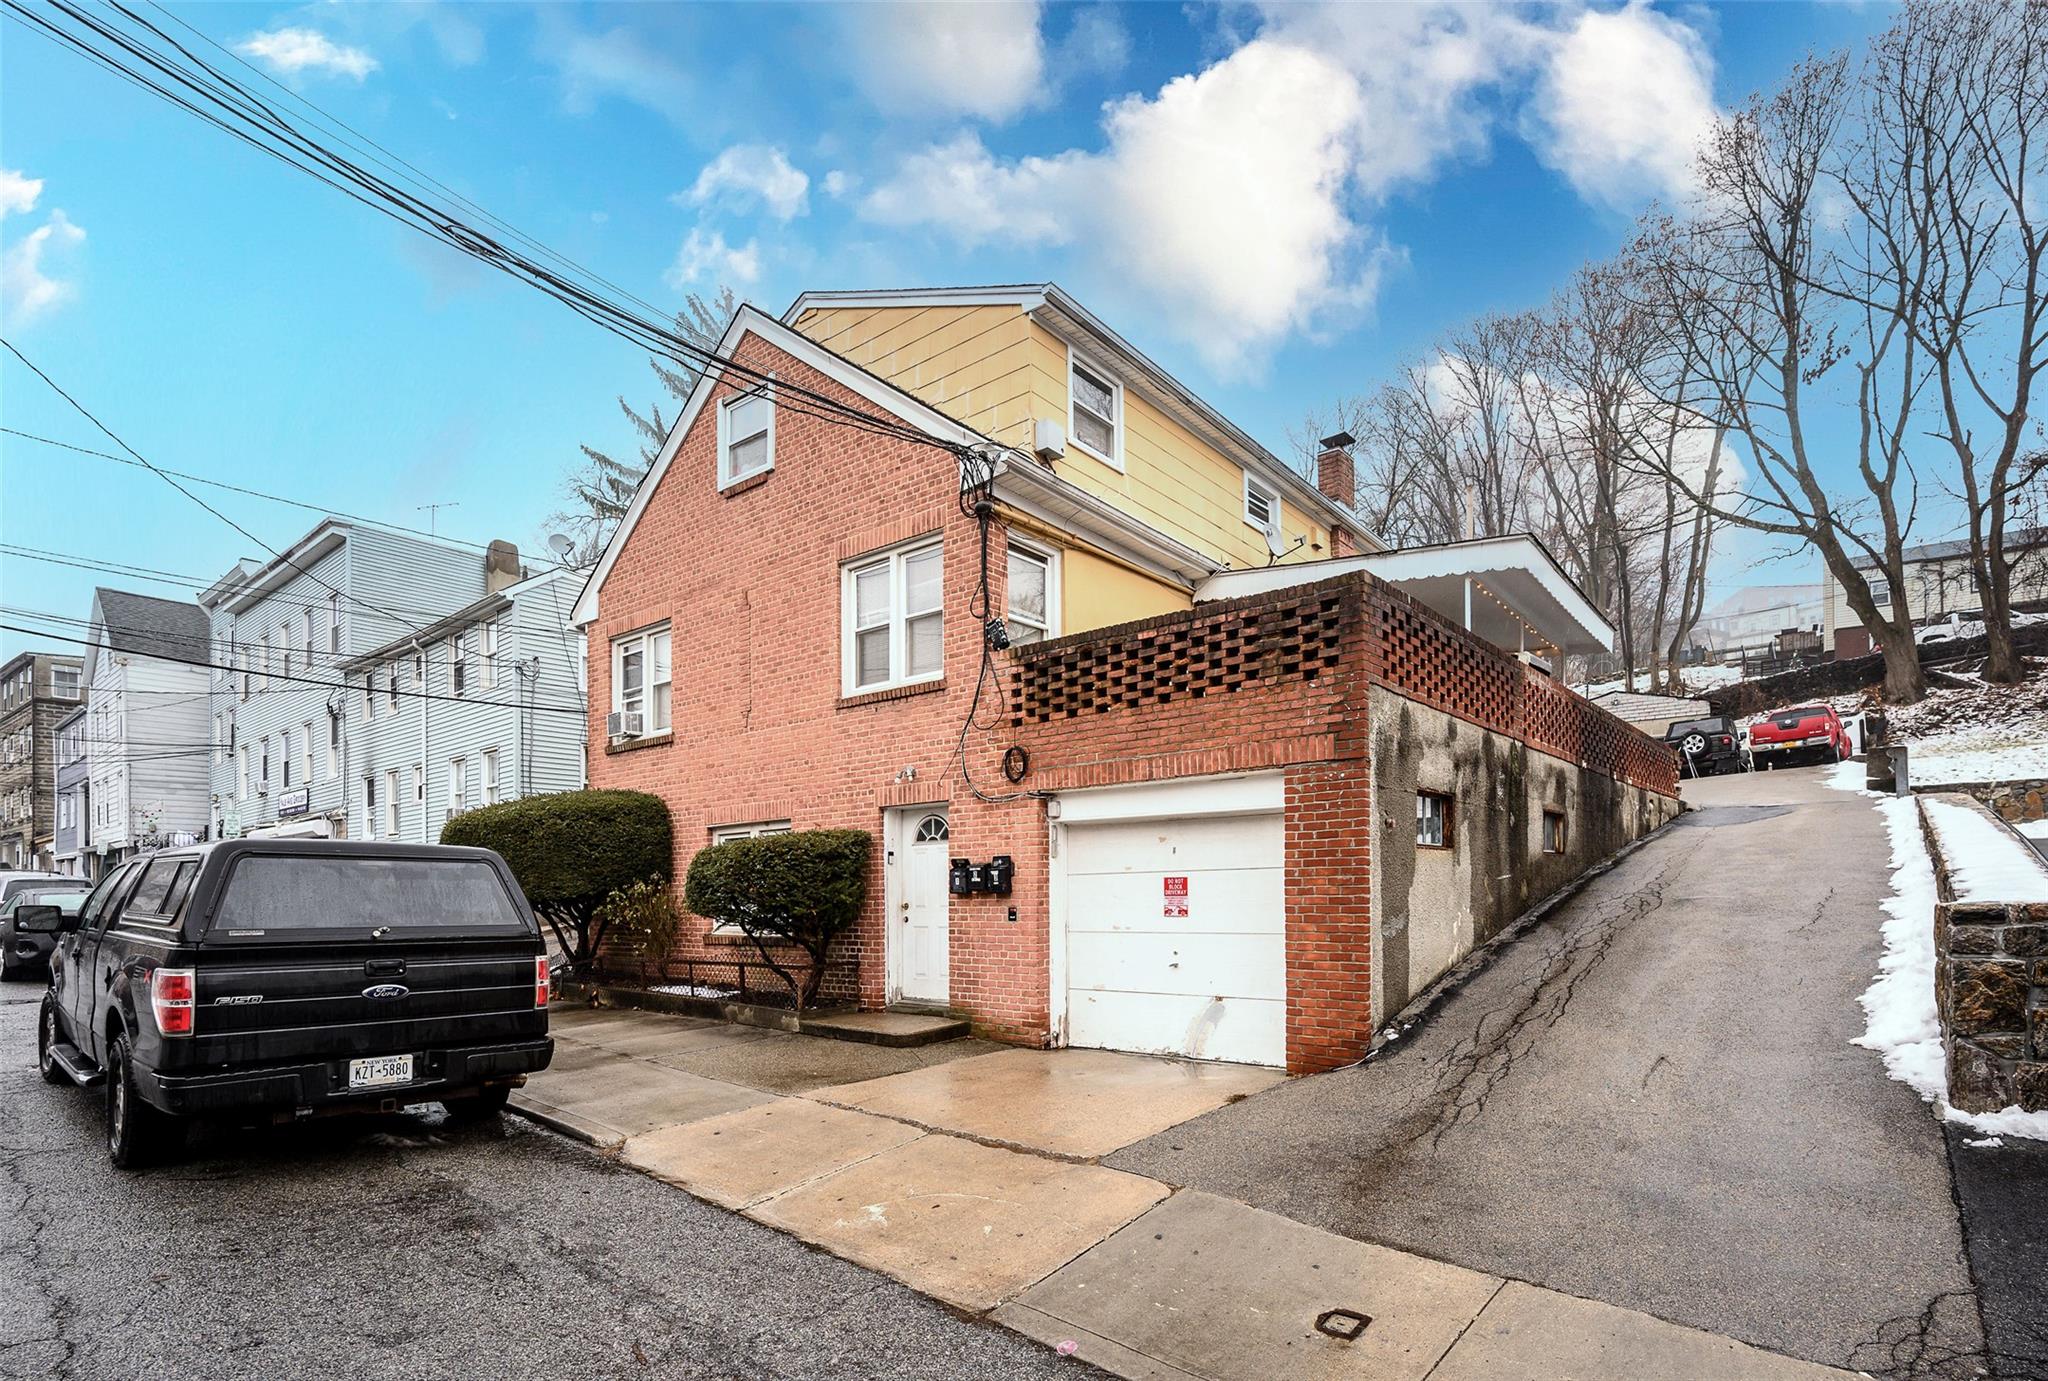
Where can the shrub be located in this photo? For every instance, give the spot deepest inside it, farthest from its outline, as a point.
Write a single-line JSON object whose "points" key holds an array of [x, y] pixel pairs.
{"points": [[798, 889], [571, 852], [642, 919]]}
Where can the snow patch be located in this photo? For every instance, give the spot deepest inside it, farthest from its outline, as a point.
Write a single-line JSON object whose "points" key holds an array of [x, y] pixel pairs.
{"points": [[1901, 1025], [1985, 861], [2033, 829]]}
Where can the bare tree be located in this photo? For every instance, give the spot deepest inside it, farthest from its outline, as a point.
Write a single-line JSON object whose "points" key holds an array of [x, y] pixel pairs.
{"points": [[597, 491], [1947, 178]]}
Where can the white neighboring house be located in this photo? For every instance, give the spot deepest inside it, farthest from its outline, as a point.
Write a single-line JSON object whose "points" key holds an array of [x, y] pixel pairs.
{"points": [[483, 706], [298, 748], [146, 725]]}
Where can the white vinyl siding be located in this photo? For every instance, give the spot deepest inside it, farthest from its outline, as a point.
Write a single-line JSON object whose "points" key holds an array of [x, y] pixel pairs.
{"points": [[894, 618]]}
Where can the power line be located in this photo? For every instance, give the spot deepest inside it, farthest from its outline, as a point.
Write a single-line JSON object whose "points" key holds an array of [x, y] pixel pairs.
{"points": [[372, 688], [321, 509]]}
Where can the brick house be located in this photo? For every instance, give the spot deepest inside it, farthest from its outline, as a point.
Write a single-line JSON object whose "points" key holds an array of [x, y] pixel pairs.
{"points": [[1260, 779]]}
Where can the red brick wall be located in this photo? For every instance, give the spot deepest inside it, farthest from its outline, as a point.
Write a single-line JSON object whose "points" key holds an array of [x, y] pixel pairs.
{"points": [[750, 582]]}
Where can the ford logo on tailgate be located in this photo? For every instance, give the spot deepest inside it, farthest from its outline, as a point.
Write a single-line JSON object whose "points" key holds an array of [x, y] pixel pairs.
{"points": [[386, 990]]}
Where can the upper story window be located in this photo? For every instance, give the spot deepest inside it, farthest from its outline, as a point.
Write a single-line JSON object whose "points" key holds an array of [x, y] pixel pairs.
{"points": [[334, 622], [640, 677], [1262, 507], [1033, 597], [64, 682], [746, 435], [894, 618], [458, 669], [1095, 411], [307, 620], [487, 652]]}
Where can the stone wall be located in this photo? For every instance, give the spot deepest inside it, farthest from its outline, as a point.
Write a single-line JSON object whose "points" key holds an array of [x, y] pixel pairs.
{"points": [[1991, 989], [2014, 801]]}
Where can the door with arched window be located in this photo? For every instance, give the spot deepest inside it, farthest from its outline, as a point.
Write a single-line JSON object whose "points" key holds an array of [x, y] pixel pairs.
{"points": [[918, 939]]}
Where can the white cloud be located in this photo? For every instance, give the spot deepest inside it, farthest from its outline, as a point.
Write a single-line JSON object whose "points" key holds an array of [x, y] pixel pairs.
{"points": [[964, 190], [949, 58], [18, 193], [1622, 103], [839, 183], [747, 175], [293, 51], [1096, 42], [618, 63], [27, 290], [709, 259]]}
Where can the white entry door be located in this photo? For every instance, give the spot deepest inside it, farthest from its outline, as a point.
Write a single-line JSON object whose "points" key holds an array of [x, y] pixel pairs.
{"points": [[918, 931]]}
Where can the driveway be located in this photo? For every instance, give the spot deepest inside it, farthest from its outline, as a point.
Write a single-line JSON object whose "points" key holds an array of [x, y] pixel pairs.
{"points": [[1651, 1100]]}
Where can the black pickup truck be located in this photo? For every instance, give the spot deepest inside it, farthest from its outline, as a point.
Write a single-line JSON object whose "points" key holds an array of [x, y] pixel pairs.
{"points": [[279, 979]]}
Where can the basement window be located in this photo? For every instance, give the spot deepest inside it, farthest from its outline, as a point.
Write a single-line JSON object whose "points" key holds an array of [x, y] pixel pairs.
{"points": [[1553, 832], [1432, 820]]}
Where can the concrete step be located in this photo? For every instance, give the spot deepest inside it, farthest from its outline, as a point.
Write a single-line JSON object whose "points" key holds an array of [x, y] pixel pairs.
{"points": [[892, 1028]]}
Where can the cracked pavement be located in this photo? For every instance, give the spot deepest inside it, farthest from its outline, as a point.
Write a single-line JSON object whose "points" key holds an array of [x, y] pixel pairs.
{"points": [[1650, 1098], [396, 1248]]}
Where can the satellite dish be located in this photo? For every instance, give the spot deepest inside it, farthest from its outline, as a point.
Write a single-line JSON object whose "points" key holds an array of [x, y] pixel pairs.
{"points": [[1274, 544], [560, 545]]}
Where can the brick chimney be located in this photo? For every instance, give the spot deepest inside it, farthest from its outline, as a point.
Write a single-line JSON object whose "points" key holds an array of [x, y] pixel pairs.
{"points": [[1336, 475], [501, 567]]}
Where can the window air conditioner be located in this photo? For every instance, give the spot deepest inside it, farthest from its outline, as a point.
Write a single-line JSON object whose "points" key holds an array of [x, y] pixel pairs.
{"points": [[624, 724]]}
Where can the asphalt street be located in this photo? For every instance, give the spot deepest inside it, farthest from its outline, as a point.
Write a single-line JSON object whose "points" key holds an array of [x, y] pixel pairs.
{"points": [[1651, 1098], [400, 1249]]}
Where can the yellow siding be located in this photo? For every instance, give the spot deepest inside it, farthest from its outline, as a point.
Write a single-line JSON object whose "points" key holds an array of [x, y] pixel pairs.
{"points": [[998, 371]]}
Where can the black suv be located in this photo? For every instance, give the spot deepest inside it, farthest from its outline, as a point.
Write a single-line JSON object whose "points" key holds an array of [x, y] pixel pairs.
{"points": [[276, 979], [1707, 747]]}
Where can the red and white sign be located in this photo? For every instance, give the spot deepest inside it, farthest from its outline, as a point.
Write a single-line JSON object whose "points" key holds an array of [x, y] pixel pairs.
{"points": [[1176, 897]]}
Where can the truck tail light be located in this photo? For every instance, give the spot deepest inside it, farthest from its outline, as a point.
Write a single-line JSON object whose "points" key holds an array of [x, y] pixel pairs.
{"points": [[170, 999], [540, 981]]}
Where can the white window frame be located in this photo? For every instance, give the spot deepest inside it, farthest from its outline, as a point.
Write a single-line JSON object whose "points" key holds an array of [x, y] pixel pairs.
{"points": [[391, 816], [1271, 494], [458, 668], [1114, 459], [284, 759], [458, 783], [334, 622], [487, 653], [242, 773], [220, 746], [1051, 559], [263, 776], [896, 558], [727, 476], [490, 777], [308, 620], [333, 745], [419, 783], [726, 834], [643, 640], [58, 677], [306, 755], [284, 639]]}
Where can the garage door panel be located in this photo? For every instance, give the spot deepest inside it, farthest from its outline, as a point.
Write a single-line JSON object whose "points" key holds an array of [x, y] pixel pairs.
{"points": [[1239, 1029], [1175, 846], [1246, 901], [1201, 966]]}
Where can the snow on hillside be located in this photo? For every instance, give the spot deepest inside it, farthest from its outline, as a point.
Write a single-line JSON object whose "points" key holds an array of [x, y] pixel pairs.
{"points": [[1696, 680], [1977, 732]]}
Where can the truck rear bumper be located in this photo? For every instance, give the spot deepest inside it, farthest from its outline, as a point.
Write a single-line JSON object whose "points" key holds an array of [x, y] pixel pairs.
{"points": [[324, 1084]]}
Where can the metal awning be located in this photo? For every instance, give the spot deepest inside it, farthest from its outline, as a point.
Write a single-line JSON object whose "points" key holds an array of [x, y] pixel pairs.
{"points": [[1508, 590]]}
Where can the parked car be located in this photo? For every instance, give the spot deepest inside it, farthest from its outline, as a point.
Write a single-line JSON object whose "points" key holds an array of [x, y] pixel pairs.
{"points": [[1709, 746], [21, 954], [278, 979], [1807, 733], [13, 880]]}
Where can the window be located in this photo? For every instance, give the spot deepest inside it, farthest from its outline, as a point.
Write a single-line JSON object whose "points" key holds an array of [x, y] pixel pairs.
{"points": [[284, 638], [490, 776], [726, 834], [391, 699], [370, 806], [241, 661], [334, 622], [333, 744], [487, 651], [263, 780], [458, 784], [263, 666], [1432, 820], [64, 682], [220, 738], [369, 694], [746, 435], [1553, 831], [1095, 413], [1262, 507], [640, 677], [1032, 597], [894, 619], [419, 783], [306, 757], [391, 803], [284, 752], [1881, 593], [419, 671], [163, 887], [458, 671], [307, 618], [242, 773]]}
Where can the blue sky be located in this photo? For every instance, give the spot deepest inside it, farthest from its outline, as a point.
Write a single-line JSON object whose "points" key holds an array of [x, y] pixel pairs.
{"points": [[1401, 167]]}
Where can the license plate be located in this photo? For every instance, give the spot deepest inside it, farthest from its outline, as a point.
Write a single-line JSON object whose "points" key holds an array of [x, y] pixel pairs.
{"points": [[380, 1070]]}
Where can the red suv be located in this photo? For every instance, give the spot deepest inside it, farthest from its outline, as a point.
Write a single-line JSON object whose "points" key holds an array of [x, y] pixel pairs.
{"points": [[1807, 733]]}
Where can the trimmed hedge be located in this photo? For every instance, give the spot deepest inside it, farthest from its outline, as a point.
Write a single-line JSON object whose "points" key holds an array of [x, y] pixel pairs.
{"points": [[800, 889], [571, 851]]}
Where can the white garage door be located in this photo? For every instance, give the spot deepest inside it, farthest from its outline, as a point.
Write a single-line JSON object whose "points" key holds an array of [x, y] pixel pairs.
{"points": [[1176, 924]]}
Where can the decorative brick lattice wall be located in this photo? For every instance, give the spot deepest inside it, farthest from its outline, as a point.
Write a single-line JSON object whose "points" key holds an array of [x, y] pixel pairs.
{"points": [[1216, 650]]}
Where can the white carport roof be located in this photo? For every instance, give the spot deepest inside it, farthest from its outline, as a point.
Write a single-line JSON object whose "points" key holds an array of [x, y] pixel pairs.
{"points": [[1518, 596]]}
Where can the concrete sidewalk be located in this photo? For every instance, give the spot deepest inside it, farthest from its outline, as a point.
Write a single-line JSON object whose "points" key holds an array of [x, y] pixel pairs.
{"points": [[970, 1173]]}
